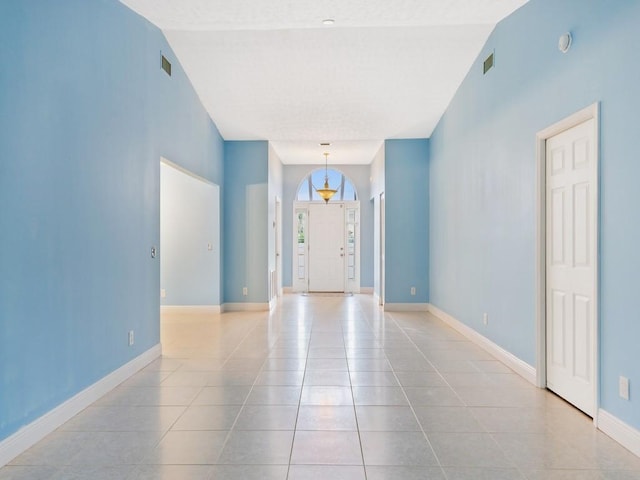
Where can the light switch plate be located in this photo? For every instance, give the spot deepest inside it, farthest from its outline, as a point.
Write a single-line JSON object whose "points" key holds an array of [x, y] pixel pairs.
{"points": [[624, 387]]}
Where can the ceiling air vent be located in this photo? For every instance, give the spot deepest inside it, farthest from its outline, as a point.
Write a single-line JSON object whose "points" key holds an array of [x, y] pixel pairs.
{"points": [[488, 64], [166, 65]]}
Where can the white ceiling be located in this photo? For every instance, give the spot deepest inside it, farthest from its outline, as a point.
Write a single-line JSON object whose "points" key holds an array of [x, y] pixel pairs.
{"points": [[270, 69]]}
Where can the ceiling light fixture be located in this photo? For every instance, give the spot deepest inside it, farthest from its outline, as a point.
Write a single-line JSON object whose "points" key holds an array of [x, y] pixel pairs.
{"points": [[326, 193], [328, 21]]}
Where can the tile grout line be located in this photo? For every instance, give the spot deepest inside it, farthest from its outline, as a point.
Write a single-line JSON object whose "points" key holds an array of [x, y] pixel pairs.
{"points": [[353, 397], [235, 421], [295, 425]]}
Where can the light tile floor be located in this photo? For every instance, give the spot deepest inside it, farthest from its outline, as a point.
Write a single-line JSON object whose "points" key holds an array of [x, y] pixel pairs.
{"points": [[324, 387]]}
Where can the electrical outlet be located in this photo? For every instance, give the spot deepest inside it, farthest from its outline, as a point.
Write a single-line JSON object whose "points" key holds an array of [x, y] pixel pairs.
{"points": [[413, 290], [154, 252], [623, 387], [245, 291], [163, 293], [485, 318], [131, 339], [209, 246]]}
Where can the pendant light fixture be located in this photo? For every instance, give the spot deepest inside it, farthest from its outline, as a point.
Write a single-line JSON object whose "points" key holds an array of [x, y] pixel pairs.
{"points": [[326, 193]]}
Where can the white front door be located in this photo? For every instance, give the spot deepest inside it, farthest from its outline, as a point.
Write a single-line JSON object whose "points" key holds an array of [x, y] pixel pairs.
{"points": [[326, 247], [571, 229]]}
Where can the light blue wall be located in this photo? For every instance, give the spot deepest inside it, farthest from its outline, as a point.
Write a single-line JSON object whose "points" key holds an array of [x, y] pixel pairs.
{"points": [[245, 227], [85, 115], [359, 176], [189, 224], [406, 185], [483, 178]]}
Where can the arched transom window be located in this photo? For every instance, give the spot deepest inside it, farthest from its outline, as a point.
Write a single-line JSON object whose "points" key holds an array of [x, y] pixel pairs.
{"points": [[346, 191]]}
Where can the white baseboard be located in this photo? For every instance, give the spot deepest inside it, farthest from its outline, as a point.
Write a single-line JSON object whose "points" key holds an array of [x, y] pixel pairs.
{"points": [[191, 309], [30, 434], [624, 434], [406, 307], [245, 307], [522, 368]]}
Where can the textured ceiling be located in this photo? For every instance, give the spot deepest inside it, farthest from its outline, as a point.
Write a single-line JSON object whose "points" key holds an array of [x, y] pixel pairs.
{"points": [[271, 70]]}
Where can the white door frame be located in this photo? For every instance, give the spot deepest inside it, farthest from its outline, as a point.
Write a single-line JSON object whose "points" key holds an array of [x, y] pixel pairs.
{"points": [[588, 113], [278, 247], [300, 283], [382, 249]]}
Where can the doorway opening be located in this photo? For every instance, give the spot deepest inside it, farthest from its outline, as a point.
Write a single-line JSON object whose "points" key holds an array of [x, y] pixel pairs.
{"points": [[189, 241]]}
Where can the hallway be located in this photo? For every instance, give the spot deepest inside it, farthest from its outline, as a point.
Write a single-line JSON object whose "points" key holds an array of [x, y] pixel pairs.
{"points": [[324, 387]]}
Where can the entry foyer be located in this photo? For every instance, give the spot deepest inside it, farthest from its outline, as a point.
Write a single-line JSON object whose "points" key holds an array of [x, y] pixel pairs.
{"points": [[324, 387]]}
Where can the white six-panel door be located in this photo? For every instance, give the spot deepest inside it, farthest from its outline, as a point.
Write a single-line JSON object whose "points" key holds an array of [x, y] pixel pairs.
{"points": [[326, 247], [571, 229]]}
